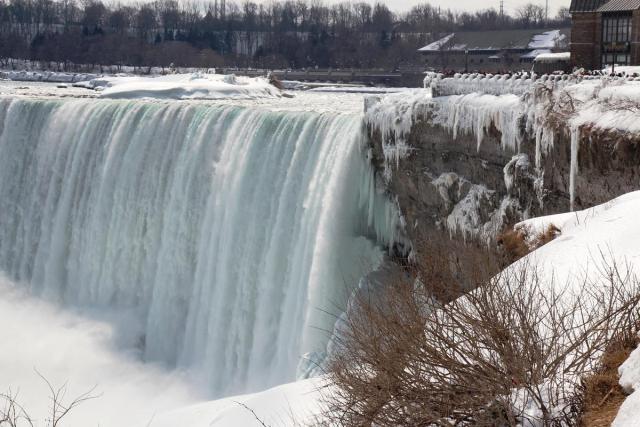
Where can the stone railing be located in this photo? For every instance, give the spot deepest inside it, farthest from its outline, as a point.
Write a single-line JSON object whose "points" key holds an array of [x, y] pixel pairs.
{"points": [[503, 84]]}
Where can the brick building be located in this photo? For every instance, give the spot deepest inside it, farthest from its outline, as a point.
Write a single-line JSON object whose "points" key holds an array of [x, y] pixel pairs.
{"points": [[605, 32]]}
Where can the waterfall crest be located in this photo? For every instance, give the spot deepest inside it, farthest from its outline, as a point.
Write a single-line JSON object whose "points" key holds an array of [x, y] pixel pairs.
{"points": [[231, 232]]}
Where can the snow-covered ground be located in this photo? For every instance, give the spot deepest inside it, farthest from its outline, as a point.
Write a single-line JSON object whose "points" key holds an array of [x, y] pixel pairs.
{"points": [[184, 86], [172, 86], [298, 403], [610, 231], [629, 412], [46, 76]]}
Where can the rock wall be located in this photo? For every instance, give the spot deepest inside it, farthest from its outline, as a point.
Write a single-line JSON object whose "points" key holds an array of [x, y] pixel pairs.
{"points": [[446, 179]]}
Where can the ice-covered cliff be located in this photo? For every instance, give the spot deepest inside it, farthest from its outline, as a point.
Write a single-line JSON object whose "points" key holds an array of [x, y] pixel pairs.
{"points": [[475, 162]]}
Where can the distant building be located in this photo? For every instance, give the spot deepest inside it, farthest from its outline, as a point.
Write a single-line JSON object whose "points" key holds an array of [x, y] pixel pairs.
{"points": [[493, 51], [605, 32]]}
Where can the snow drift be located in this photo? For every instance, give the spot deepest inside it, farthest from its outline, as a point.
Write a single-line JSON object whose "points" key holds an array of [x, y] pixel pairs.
{"points": [[183, 86]]}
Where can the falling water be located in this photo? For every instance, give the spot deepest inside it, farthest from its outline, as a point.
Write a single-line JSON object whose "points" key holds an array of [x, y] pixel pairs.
{"points": [[233, 233]]}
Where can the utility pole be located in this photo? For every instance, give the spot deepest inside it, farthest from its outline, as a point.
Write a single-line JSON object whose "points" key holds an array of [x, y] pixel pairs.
{"points": [[501, 10], [546, 12], [223, 9]]}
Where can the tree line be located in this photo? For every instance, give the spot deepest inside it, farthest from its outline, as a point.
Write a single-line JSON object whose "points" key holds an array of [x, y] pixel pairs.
{"points": [[287, 34]]}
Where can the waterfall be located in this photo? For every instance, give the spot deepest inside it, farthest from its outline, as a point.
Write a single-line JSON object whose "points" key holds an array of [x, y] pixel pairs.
{"points": [[232, 233]]}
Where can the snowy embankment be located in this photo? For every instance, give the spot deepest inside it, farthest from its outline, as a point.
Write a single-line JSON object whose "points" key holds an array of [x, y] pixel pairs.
{"points": [[46, 76], [609, 230], [172, 86], [298, 403], [606, 233], [183, 86]]}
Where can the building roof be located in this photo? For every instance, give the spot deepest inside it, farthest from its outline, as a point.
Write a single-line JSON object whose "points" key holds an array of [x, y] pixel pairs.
{"points": [[499, 40], [535, 53], [554, 57], [619, 6], [585, 5]]}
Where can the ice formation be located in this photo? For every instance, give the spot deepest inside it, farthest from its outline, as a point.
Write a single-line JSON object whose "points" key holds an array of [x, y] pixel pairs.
{"points": [[515, 106], [228, 231]]}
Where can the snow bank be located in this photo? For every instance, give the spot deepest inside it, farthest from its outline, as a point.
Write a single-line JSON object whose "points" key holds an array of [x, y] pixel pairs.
{"points": [[629, 412], [46, 76], [610, 229], [298, 403], [184, 86]]}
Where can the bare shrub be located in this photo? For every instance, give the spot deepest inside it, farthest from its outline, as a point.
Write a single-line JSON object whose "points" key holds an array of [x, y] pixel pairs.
{"points": [[514, 243], [548, 235], [510, 352], [13, 414], [518, 242]]}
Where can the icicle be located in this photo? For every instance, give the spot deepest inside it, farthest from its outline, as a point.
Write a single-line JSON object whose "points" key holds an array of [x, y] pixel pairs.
{"points": [[575, 146]]}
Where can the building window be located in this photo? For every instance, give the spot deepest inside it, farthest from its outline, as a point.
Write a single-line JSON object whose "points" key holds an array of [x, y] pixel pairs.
{"points": [[616, 38], [616, 28]]}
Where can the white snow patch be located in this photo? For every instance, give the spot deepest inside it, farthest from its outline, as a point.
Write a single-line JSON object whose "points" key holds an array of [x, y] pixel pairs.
{"points": [[184, 86], [438, 44], [610, 229], [629, 412], [553, 57], [546, 40], [46, 76], [298, 403]]}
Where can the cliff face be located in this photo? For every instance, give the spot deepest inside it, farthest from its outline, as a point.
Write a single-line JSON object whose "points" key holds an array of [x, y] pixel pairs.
{"points": [[468, 181]]}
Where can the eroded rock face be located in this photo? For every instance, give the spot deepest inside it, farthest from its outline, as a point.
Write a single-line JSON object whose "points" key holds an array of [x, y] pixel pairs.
{"points": [[476, 190]]}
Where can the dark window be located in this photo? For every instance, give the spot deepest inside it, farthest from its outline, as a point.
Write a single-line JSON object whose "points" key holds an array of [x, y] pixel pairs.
{"points": [[616, 38], [616, 28]]}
